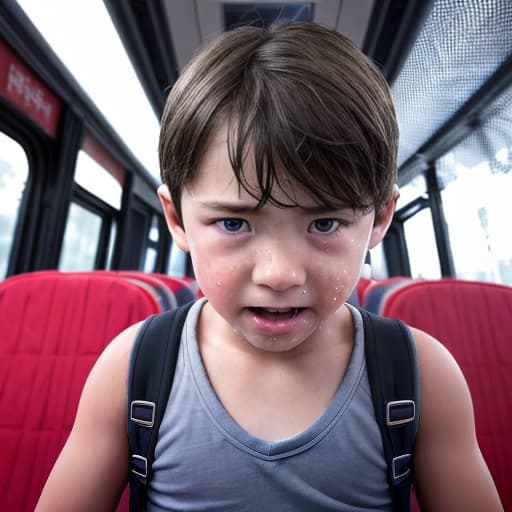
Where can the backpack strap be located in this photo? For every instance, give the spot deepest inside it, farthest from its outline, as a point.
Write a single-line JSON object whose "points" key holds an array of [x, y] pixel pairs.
{"points": [[393, 373], [150, 375]]}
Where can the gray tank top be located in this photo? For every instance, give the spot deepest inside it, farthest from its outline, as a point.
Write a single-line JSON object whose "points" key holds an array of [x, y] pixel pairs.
{"points": [[205, 461]]}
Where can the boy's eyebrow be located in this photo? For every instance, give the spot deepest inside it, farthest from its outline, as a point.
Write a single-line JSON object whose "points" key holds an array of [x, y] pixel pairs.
{"points": [[229, 207], [251, 208]]}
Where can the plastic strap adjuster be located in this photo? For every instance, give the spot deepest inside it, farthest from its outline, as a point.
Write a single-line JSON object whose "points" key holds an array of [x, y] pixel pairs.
{"points": [[400, 412], [401, 466], [140, 467], [143, 413]]}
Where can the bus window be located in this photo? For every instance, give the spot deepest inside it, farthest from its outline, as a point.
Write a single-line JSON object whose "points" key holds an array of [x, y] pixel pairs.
{"points": [[477, 181], [421, 246], [478, 220], [81, 239], [415, 188], [111, 244], [379, 268], [97, 180], [13, 177], [150, 260], [100, 177], [152, 246], [177, 262]]}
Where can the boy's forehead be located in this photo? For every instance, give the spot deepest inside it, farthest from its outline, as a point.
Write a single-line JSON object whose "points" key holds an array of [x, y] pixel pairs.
{"points": [[215, 174]]}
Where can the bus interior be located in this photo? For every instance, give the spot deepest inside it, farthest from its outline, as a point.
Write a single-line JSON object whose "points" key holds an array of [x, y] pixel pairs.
{"points": [[85, 250]]}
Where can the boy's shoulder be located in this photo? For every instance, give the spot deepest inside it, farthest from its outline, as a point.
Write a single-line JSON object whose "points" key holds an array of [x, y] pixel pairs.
{"points": [[447, 455], [96, 452]]}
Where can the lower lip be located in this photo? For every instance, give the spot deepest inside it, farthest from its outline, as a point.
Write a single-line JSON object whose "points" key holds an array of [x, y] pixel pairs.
{"points": [[277, 327]]}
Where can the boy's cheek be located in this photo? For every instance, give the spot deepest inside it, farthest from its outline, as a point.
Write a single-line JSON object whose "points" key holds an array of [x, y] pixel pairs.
{"points": [[214, 274], [337, 278]]}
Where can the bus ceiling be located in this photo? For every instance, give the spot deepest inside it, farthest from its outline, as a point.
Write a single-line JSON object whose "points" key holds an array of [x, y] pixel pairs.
{"points": [[161, 36], [426, 49]]}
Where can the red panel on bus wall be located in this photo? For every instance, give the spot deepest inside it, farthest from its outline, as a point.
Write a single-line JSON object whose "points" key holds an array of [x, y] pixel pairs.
{"points": [[53, 327], [21, 87]]}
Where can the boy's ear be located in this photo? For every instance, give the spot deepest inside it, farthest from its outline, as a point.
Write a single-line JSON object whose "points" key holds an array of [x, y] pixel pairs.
{"points": [[383, 219], [174, 223]]}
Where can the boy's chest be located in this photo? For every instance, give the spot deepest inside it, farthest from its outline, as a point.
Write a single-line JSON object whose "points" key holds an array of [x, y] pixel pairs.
{"points": [[276, 399], [225, 462]]}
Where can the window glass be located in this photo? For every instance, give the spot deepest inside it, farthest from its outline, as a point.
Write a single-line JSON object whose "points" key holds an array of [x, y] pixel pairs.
{"points": [[81, 239], [177, 262], [13, 178], [457, 49], [154, 230], [478, 210], [421, 246], [477, 181], [97, 180], [150, 260], [417, 187], [378, 262], [111, 244]]}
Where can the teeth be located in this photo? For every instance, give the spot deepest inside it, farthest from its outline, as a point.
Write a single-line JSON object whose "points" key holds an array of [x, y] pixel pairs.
{"points": [[281, 311]]}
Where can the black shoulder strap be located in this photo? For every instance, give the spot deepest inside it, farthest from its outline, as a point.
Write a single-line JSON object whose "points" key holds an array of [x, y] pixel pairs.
{"points": [[150, 376], [393, 373]]}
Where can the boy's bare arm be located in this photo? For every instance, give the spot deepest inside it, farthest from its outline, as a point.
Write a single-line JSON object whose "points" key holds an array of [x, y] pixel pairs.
{"points": [[450, 472], [91, 471]]}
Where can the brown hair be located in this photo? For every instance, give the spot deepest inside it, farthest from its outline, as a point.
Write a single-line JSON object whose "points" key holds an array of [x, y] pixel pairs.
{"points": [[297, 97]]}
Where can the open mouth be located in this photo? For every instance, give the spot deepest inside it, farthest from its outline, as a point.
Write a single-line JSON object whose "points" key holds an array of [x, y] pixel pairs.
{"points": [[276, 313]]}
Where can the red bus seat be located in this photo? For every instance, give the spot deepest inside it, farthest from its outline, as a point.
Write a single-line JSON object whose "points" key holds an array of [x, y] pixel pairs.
{"points": [[183, 290], [361, 288], [53, 326], [157, 286], [375, 291], [474, 321]]}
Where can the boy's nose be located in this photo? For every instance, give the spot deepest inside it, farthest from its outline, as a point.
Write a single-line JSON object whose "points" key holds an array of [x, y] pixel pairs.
{"points": [[279, 269]]}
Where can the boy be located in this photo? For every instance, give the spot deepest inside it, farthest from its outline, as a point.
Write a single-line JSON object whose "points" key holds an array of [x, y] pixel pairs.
{"points": [[277, 152]]}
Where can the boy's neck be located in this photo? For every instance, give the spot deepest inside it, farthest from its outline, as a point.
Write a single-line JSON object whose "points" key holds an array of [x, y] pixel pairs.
{"points": [[275, 395]]}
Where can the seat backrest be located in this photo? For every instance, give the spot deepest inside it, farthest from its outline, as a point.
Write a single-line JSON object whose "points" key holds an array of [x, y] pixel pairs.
{"points": [[183, 290], [474, 321], [53, 326], [375, 292], [153, 284], [361, 287]]}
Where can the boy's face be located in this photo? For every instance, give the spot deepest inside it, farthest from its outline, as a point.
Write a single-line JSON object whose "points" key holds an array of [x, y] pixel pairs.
{"points": [[272, 275]]}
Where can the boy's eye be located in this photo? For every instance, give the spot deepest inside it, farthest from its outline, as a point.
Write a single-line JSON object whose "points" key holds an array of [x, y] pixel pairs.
{"points": [[324, 226], [232, 225]]}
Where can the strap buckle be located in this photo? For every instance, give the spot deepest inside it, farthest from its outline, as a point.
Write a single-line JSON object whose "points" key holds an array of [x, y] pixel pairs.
{"points": [[140, 467], [143, 413], [400, 412], [401, 466]]}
